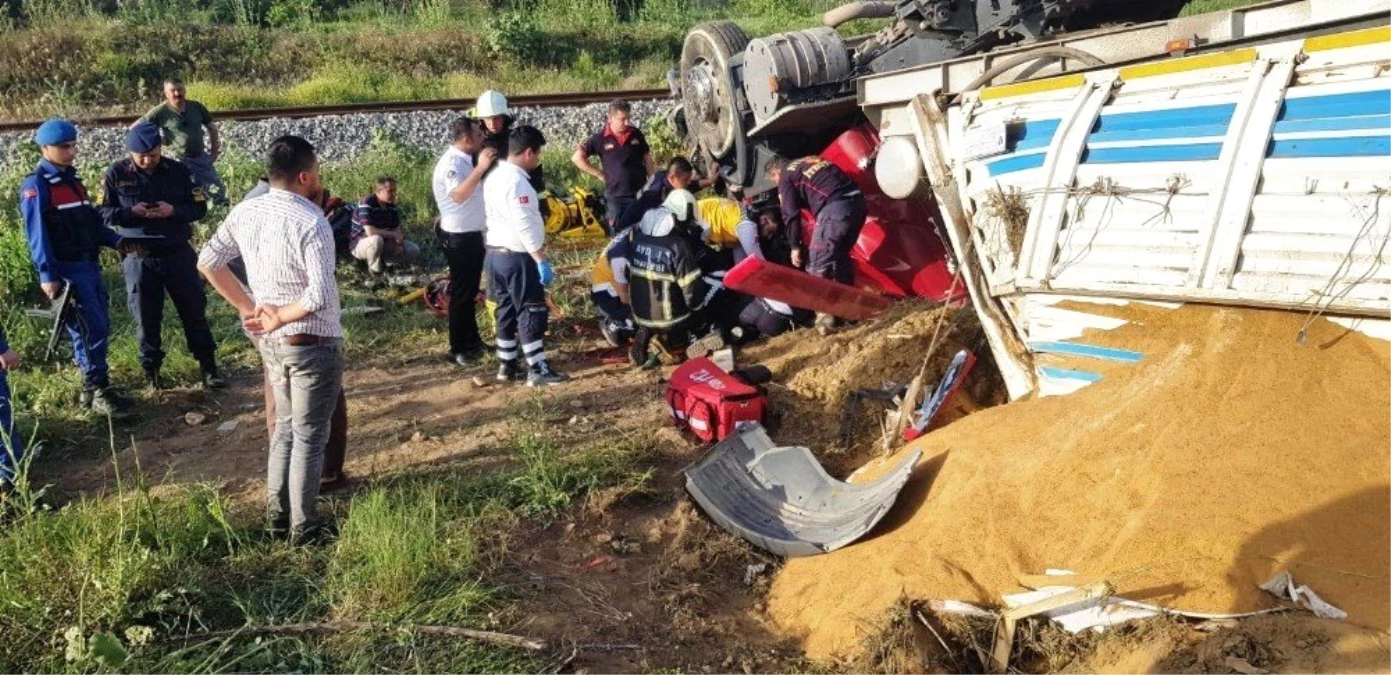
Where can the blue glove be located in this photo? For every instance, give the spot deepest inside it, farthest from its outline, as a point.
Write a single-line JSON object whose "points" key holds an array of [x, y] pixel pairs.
{"points": [[543, 267]]}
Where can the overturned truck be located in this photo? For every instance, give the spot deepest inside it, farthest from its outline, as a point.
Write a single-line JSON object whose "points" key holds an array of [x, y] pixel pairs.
{"points": [[1026, 153]]}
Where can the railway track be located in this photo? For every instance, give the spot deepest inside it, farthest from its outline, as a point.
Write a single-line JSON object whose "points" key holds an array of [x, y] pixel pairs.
{"points": [[534, 101]]}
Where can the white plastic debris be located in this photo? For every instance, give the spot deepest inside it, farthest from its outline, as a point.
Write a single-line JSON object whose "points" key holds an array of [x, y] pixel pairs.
{"points": [[1101, 613], [1282, 586], [228, 425], [1093, 613]]}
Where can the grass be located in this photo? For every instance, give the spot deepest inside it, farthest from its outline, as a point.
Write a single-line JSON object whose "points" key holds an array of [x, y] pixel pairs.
{"points": [[89, 56], [131, 580], [117, 582]]}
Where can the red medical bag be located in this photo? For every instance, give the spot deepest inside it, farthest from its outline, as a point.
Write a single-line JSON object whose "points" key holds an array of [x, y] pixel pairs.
{"points": [[710, 402]]}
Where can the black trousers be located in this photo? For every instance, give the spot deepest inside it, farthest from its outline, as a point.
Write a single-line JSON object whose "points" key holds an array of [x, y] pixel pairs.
{"points": [[837, 228], [522, 318], [465, 254], [173, 270], [760, 320]]}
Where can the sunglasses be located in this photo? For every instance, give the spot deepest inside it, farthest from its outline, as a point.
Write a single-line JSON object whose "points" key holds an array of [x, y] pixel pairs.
{"points": [[67, 146]]}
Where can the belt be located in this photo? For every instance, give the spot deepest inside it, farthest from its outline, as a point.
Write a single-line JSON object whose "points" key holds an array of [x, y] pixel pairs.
{"points": [[502, 249], [304, 340]]}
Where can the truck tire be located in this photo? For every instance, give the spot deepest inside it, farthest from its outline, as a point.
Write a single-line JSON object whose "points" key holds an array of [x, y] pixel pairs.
{"points": [[708, 89]]}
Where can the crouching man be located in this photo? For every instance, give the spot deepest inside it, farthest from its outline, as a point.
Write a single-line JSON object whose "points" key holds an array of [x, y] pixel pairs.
{"points": [[609, 290], [377, 236], [666, 285]]}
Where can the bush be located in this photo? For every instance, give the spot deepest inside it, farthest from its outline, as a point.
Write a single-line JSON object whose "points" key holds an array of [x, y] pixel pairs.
{"points": [[514, 35]]}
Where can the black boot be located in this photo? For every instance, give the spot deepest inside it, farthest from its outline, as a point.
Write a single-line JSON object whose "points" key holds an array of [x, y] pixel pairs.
{"points": [[213, 380], [508, 371], [152, 378], [542, 375]]}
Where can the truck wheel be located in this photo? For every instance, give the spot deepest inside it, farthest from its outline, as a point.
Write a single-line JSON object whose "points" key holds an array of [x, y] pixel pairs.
{"points": [[707, 84]]}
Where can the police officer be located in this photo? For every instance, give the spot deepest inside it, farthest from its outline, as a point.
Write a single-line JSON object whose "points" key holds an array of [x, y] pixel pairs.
{"points": [[835, 201], [65, 236], [517, 268], [149, 195], [11, 444]]}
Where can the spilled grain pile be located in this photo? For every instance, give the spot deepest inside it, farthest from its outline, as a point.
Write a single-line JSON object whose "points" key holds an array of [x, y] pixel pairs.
{"points": [[1229, 453]]}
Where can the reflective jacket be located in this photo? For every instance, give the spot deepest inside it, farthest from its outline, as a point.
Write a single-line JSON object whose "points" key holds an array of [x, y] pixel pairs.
{"points": [[664, 278]]}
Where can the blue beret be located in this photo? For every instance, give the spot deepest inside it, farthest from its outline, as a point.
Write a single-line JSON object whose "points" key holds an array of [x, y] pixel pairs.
{"points": [[143, 137], [54, 132]]}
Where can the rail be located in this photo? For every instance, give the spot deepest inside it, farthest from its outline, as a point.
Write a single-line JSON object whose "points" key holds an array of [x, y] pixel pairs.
{"points": [[299, 112]]}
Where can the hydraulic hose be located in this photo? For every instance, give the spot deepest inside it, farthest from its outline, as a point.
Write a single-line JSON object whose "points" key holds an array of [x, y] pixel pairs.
{"points": [[865, 9], [1019, 59]]}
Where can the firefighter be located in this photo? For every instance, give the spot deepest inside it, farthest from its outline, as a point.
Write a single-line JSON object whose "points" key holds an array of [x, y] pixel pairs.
{"points": [[666, 285], [65, 236], [149, 195], [835, 201], [518, 270], [498, 120]]}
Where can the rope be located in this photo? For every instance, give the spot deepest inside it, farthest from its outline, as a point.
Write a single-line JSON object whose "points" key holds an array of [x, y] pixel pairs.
{"points": [[1324, 298]]}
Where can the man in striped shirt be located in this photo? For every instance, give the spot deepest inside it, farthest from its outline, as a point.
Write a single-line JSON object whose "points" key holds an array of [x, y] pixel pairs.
{"points": [[288, 250]]}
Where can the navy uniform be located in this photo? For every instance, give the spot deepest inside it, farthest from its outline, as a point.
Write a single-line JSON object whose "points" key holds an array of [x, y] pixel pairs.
{"points": [[518, 273], [65, 236], [11, 444], [168, 265], [835, 200]]}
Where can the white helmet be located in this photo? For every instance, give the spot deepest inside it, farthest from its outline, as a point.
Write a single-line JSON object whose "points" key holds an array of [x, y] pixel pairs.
{"points": [[490, 103], [657, 222], [682, 203]]}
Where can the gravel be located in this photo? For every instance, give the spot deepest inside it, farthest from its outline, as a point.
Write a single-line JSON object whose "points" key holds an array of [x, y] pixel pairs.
{"points": [[340, 138]]}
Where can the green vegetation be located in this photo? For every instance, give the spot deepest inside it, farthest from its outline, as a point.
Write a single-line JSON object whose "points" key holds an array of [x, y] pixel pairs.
{"points": [[75, 56], [136, 582], [131, 580]]}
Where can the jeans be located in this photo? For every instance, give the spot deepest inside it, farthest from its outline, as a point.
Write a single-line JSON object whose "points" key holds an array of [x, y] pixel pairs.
{"points": [[306, 382], [206, 174]]}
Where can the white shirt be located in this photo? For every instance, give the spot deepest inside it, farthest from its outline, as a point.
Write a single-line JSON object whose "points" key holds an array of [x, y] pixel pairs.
{"points": [[453, 167], [287, 246], [514, 211]]}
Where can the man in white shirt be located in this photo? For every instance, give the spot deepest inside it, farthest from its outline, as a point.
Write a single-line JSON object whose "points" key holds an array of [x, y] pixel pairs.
{"points": [[287, 247], [518, 271], [463, 219]]}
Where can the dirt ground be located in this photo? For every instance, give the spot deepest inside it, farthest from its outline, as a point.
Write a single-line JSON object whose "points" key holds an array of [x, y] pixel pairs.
{"points": [[647, 582]]}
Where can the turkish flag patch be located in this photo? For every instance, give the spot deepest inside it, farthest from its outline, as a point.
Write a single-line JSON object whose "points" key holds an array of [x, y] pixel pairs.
{"points": [[29, 193], [524, 199]]}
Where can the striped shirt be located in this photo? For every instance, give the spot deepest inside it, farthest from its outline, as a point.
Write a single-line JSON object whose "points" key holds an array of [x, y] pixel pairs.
{"points": [[287, 246]]}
